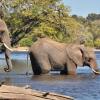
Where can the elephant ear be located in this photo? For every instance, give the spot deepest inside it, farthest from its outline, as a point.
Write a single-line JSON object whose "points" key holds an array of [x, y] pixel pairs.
{"points": [[73, 56]]}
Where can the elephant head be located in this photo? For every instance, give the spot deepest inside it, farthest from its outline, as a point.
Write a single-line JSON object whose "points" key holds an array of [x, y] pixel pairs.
{"points": [[90, 61], [83, 56], [93, 65], [5, 40]]}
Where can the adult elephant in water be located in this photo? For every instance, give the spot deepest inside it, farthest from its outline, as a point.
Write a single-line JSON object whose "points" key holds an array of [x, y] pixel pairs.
{"points": [[5, 41], [46, 55]]}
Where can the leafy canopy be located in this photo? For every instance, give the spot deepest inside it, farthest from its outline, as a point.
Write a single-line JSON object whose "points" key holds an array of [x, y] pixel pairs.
{"points": [[28, 19]]}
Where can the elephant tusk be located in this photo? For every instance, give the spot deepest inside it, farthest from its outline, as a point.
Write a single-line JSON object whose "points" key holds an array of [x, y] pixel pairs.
{"points": [[7, 47], [96, 72]]}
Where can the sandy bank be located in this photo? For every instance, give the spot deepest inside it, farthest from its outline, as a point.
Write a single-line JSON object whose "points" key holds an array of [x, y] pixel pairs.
{"points": [[25, 93], [97, 50]]}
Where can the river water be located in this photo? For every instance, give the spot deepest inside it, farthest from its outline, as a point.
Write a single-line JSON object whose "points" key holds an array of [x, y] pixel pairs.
{"points": [[83, 86]]}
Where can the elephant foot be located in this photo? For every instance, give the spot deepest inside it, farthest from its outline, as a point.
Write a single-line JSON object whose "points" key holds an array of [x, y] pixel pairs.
{"points": [[7, 69], [64, 71]]}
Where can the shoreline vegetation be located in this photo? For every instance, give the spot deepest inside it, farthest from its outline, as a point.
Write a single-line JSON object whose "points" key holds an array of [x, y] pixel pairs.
{"points": [[28, 20]]}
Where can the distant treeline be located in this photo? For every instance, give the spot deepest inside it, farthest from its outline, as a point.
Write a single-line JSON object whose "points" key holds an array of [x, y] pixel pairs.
{"points": [[29, 19]]}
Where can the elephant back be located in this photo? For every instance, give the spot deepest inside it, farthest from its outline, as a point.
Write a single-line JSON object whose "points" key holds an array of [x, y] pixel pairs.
{"points": [[44, 42]]}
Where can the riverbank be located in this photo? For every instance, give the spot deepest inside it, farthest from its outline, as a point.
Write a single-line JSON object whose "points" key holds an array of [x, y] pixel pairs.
{"points": [[25, 93], [98, 50]]}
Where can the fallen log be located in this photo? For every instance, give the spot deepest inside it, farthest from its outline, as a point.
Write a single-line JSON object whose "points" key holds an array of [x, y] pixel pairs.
{"points": [[22, 93]]}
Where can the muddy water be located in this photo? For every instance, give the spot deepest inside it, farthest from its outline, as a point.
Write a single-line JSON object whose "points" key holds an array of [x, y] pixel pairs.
{"points": [[83, 86]]}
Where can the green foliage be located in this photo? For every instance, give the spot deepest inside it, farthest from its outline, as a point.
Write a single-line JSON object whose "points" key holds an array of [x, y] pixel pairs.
{"points": [[93, 16], [25, 42], [97, 43], [89, 43], [28, 19]]}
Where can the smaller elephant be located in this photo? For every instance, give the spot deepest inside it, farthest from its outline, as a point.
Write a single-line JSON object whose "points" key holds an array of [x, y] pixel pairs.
{"points": [[46, 55], [5, 41]]}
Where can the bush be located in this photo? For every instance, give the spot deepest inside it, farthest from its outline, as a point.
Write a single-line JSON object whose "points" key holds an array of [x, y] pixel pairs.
{"points": [[26, 42], [89, 43], [97, 43]]}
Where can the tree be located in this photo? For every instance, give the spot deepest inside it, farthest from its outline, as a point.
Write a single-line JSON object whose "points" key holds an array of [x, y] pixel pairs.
{"points": [[93, 16], [29, 18]]}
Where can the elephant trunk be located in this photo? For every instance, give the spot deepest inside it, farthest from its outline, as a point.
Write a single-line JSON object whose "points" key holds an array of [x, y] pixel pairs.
{"points": [[8, 58], [5, 39], [91, 62], [93, 66]]}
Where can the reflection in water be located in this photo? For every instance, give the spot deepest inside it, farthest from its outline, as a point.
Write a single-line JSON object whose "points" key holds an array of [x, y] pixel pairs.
{"points": [[19, 62], [83, 86]]}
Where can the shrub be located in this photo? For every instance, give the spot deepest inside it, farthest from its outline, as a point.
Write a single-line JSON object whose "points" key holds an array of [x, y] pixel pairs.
{"points": [[25, 42], [97, 43], [89, 43]]}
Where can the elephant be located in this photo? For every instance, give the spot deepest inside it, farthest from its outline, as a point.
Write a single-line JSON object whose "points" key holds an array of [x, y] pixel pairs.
{"points": [[6, 44], [47, 54]]}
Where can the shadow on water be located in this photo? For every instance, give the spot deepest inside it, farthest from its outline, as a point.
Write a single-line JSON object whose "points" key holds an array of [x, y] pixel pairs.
{"points": [[83, 86]]}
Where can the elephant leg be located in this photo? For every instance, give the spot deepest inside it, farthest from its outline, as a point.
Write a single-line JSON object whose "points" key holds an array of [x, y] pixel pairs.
{"points": [[8, 60], [64, 71], [45, 64], [35, 65], [40, 65], [45, 68], [71, 67]]}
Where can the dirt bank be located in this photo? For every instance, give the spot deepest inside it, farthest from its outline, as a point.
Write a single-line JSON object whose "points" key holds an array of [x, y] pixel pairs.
{"points": [[25, 93]]}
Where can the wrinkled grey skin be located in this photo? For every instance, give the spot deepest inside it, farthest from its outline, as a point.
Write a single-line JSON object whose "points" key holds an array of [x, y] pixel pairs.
{"points": [[5, 39], [46, 55]]}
